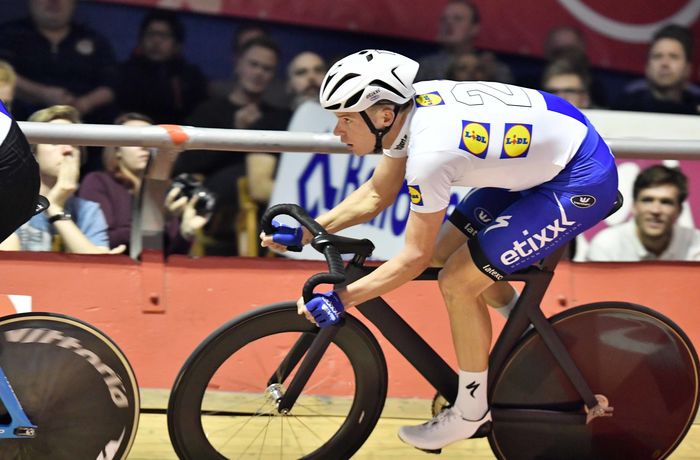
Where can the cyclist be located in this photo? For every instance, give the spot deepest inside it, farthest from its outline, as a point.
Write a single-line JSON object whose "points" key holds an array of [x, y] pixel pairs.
{"points": [[543, 174], [19, 176]]}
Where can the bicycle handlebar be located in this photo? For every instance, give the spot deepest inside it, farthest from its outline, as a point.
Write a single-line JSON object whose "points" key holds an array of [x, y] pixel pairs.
{"points": [[336, 273]]}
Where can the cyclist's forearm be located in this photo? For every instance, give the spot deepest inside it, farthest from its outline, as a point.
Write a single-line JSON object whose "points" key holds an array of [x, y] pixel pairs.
{"points": [[389, 276], [360, 206]]}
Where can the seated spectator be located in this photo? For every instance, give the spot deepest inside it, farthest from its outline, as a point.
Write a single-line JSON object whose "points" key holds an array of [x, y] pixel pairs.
{"points": [[156, 80], [115, 188], [667, 76], [659, 193], [304, 77], [457, 31], [8, 82], [59, 62], [468, 67], [70, 224], [243, 108], [567, 81]]}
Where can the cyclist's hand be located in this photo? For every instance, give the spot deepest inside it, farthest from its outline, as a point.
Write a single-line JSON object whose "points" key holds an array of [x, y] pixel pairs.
{"points": [[284, 236], [323, 309]]}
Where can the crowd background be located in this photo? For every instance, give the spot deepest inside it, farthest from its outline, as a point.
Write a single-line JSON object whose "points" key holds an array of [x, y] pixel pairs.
{"points": [[231, 84]]}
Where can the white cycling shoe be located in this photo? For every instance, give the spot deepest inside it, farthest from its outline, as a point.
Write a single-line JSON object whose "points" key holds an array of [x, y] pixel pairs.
{"points": [[445, 428]]}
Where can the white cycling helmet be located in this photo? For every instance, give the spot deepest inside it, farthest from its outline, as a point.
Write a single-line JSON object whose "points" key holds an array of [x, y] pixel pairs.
{"points": [[359, 80]]}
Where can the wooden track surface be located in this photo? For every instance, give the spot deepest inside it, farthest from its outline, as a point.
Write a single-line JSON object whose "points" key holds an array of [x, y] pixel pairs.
{"points": [[152, 441]]}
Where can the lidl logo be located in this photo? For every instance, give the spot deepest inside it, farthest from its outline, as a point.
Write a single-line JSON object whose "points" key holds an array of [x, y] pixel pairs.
{"points": [[429, 99], [475, 138], [416, 197], [516, 141]]}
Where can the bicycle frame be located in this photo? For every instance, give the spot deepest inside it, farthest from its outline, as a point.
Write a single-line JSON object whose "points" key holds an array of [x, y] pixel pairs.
{"points": [[19, 425], [432, 367]]}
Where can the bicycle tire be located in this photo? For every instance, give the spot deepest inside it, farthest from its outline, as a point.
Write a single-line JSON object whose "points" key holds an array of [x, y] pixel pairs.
{"points": [[653, 388], [197, 393], [74, 384]]}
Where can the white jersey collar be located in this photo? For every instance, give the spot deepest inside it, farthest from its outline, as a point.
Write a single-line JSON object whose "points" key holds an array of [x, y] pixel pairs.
{"points": [[400, 147]]}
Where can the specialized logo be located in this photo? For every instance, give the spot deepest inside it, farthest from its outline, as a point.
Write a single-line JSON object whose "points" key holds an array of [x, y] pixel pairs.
{"points": [[501, 222], [475, 138], [416, 197], [482, 215], [583, 201], [429, 99], [472, 386], [540, 239], [516, 141]]}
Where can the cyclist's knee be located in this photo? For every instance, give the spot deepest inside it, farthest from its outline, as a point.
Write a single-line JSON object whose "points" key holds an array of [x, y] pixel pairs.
{"points": [[457, 282]]}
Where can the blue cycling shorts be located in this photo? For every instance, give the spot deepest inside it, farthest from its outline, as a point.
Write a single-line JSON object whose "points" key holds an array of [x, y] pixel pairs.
{"points": [[509, 231]]}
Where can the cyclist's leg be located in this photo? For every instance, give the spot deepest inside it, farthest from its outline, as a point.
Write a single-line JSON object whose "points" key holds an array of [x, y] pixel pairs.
{"points": [[474, 212], [19, 179]]}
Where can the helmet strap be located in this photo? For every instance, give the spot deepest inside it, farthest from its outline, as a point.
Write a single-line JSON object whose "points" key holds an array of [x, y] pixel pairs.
{"points": [[379, 133]]}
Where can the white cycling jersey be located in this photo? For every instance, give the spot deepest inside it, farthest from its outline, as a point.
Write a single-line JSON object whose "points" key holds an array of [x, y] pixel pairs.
{"points": [[483, 134]]}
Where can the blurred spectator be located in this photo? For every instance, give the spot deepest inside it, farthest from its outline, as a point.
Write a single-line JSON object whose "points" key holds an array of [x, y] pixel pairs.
{"points": [[659, 193], [468, 67], [8, 83], [275, 94], [665, 88], [567, 81], [563, 40], [116, 187], [70, 224], [243, 108], [156, 80], [59, 61], [567, 43], [304, 77], [457, 31]]}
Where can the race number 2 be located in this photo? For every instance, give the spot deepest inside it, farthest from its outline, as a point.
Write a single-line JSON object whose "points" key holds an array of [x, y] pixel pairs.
{"points": [[473, 93]]}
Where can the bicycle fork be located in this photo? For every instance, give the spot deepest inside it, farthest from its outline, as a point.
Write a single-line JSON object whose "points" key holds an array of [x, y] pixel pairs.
{"points": [[311, 345], [19, 426]]}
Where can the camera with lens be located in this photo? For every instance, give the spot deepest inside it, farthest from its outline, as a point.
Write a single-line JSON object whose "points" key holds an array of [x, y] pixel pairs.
{"points": [[191, 186]]}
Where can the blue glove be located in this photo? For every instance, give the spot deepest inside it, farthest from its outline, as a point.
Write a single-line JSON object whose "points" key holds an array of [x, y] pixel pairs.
{"points": [[325, 308], [286, 235]]}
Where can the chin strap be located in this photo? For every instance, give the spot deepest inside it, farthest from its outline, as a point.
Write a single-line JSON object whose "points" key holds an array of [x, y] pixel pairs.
{"points": [[379, 133]]}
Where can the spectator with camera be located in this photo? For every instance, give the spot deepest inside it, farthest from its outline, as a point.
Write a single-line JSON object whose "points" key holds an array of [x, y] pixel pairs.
{"points": [[116, 187], [242, 108], [70, 223]]}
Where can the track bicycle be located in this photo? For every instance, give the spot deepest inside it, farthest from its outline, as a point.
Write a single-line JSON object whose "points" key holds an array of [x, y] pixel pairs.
{"points": [[67, 391], [269, 384]]}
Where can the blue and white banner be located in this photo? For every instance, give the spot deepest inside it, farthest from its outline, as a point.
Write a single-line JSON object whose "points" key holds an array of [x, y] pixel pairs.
{"points": [[318, 182]]}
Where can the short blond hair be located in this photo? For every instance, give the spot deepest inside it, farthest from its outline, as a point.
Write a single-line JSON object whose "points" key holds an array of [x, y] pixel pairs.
{"points": [[56, 112], [8, 75]]}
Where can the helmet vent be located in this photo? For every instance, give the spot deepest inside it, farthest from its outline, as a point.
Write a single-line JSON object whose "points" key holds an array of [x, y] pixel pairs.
{"points": [[369, 57], [333, 107], [352, 100], [347, 77], [386, 87]]}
